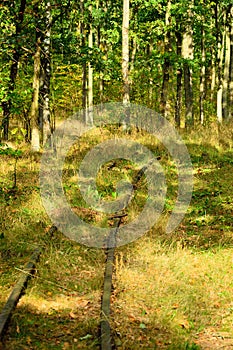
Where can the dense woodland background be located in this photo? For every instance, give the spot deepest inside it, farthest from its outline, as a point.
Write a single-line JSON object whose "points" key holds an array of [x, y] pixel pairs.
{"points": [[59, 56], [170, 291]]}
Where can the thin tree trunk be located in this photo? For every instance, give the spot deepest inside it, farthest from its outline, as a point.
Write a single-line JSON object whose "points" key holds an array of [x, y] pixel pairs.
{"points": [[125, 52], [46, 68], [202, 77], [219, 79], [150, 95], [6, 105], [213, 79], [84, 92], [84, 65], [166, 65], [101, 80], [90, 75], [226, 73], [187, 53], [101, 88], [134, 50], [102, 47], [214, 61], [231, 69], [178, 80], [188, 95], [35, 130]]}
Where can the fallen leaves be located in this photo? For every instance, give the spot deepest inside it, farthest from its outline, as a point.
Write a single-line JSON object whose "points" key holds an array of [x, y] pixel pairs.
{"points": [[183, 323], [82, 303], [73, 315]]}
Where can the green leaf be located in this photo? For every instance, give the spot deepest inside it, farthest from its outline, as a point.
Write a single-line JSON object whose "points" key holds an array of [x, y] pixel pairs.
{"points": [[14, 131], [142, 325], [23, 131]]}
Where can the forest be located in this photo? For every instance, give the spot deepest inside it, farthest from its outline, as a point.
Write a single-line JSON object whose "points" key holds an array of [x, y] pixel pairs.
{"points": [[68, 65], [58, 57]]}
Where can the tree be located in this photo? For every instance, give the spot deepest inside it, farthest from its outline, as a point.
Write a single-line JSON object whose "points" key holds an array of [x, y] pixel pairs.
{"points": [[84, 65], [34, 115], [45, 115], [166, 65], [202, 75], [231, 67], [178, 78], [188, 55], [125, 52], [17, 52], [90, 73], [152, 52], [226, 72]]}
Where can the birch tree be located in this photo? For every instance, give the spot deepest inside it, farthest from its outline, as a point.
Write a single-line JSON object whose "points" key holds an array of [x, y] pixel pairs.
{"points": [[34, 115], [188, 55], [166, 65], [178, 78], [45, 116], [227, 65], [84, 65], [231, 67], [125, 52], [90, 72], [202, 76]]}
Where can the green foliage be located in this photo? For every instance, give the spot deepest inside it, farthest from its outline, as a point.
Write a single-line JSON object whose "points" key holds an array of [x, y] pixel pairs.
{"points": [[70, 51], [6, 150]]}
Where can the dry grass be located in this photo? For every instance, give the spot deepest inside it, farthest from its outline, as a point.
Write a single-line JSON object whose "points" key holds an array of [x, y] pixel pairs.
{"points": [[167, 295], [170, 291]]}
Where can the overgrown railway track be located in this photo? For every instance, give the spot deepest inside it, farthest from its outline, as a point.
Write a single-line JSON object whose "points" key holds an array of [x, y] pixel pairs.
{"points": [[106, 339]]}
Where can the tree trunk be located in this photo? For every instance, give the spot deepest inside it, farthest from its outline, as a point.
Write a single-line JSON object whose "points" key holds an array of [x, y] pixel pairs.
{"points": [[6, 105], [46, 75], [213, 79], [84, 66], [134, 50], [221, 45], [231, 69], [125, 52], [90, 75], [202, 77], [187, 53], [150, 95], [166, 65], [214, 65], [35, 130], [101, 43], [226, 72], [178, 80]]}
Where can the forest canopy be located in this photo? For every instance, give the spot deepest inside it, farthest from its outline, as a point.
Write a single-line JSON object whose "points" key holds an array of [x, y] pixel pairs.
{"points": [[59, 56]]}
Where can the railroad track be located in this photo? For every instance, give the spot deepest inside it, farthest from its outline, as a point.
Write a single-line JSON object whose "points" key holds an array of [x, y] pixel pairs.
{"points": [[19, 288], [106, 342], [105, 329], [106, 339]]}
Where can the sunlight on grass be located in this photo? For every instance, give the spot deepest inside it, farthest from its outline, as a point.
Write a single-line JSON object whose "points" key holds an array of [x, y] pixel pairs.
{"points": [[174, 292], [171, 291]]}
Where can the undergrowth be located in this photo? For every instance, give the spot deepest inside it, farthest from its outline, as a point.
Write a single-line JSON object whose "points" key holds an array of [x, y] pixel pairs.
{"points": [[171, 291]]}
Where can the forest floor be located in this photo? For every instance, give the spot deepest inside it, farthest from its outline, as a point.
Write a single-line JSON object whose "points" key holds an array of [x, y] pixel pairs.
{"points": [[171, 291]]}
